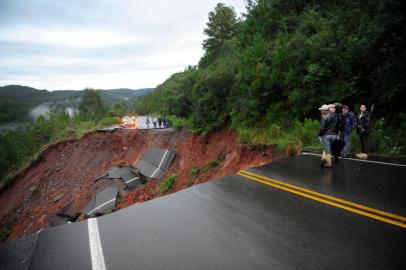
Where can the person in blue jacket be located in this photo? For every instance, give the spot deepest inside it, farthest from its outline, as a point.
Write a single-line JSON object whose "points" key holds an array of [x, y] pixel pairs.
{"points": [[347, 124]]}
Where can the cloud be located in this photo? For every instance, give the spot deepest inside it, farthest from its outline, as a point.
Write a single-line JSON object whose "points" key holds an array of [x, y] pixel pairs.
{"points": [[73, 38], [100, 43]]}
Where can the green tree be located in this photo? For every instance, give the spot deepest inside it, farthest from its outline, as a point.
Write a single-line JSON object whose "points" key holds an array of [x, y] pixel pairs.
{"points": [[222, 26], [284, 59], [91, 106]]}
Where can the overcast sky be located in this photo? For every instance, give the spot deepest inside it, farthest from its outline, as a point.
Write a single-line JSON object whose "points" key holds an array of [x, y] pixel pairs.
{"points": [[73, 44]]}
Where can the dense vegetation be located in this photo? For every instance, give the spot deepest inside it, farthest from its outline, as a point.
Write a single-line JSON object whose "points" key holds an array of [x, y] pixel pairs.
{"points": [[18, 147], [265, 74]]}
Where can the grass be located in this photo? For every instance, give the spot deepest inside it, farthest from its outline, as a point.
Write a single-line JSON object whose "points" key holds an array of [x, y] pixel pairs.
{"points": [[194, 172], [111, 120], [214, 163], [191, 182], [167, 184], [4, 233], [289, 139]]}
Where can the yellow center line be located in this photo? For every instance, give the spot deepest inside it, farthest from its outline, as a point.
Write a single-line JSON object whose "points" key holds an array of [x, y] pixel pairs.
{"points": [[356, 205], [348, 208]]}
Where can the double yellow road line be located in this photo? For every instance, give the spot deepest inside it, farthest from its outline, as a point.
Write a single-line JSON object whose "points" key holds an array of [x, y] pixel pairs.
{"points": [[330, 200]]}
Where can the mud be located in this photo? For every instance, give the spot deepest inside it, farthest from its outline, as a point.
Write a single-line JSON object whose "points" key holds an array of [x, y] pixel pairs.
{"points": [[62, 178]]}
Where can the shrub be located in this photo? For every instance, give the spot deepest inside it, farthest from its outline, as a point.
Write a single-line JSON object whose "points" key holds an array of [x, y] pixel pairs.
{"points": [[194, 172], [106, 121], [167, 184], [178, 122]]}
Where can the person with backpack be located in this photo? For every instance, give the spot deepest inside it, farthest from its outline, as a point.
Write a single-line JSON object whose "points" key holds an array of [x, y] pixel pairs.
{"points": [[363, 131], [347, 124]]}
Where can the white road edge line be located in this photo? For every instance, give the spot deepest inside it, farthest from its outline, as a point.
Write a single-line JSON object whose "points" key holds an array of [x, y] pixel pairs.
{"points": [[96, 249], [103, 204], [129, 181], [360, 160], [159, 166]]}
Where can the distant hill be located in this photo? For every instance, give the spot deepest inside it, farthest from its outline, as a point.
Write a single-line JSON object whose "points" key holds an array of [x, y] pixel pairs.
{"points": [[109, 96], [19, 93], [14, 93], [17, 100]]}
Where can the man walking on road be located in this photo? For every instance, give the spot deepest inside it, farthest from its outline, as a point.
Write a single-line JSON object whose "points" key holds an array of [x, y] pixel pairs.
{"points": [[347, 124], [328, 132]]}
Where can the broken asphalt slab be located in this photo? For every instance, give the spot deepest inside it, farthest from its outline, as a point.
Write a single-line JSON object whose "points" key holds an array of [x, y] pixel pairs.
{"points": [[102, 203], [128, 175], [155, 162]]}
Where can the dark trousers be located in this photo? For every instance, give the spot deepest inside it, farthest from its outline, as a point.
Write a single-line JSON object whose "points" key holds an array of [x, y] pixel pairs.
{"points": [[364, 142]]}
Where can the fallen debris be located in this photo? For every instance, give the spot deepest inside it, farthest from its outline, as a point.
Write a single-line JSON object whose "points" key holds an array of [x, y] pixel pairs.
{"points": [[58, 198], [104, 202]]}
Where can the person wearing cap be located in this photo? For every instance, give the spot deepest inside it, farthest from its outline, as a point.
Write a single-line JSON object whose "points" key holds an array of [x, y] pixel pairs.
{"points": [[347, 124], [323, 113], [328, 132], [363, 130]]}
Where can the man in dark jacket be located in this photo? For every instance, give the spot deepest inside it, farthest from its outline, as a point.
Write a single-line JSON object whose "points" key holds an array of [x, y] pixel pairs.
{"points": [[347, 123], [363, 130], [159, 122], [328, 131]]}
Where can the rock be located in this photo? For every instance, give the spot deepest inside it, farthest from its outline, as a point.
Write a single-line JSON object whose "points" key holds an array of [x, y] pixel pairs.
{"points": [[58, 198]]}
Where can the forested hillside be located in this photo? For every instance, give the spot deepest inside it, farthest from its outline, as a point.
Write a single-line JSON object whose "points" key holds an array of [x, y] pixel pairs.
{"points": [[16, 101], [265, 74]]}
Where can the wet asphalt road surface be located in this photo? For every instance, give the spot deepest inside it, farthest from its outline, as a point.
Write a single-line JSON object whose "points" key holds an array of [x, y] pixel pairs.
{"points": [[372, 184], [237, 223]]}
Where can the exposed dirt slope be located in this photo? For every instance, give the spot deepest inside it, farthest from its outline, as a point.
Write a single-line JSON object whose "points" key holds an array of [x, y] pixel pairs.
{"points": [[62, 177]]}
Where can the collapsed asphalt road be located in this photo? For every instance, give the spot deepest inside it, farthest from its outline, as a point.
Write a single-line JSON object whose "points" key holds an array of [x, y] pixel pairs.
{"points": [[286, 215], [152, 164]]}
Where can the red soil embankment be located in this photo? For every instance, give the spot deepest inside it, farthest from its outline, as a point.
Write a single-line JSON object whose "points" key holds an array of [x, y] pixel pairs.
{"points": [[62, 179]]}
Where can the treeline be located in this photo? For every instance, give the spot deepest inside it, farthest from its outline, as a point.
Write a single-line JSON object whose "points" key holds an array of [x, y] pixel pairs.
{"points": [[16, 101], [18, 147], [268, 71]]}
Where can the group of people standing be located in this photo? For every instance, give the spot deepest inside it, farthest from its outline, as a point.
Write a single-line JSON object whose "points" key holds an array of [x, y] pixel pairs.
{"points": [[158, 122], [336, 126]]}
